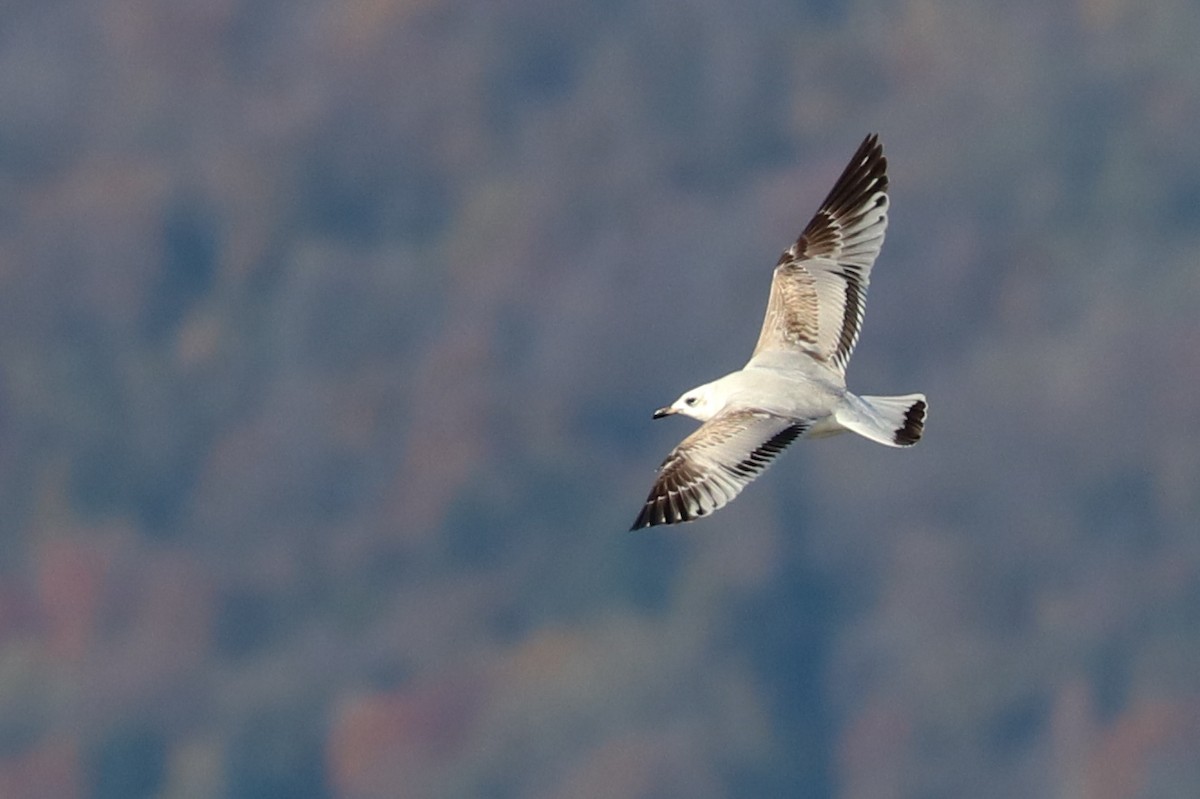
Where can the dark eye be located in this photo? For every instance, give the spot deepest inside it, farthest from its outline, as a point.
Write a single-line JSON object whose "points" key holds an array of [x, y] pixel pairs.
{"points": [[690, 401]]}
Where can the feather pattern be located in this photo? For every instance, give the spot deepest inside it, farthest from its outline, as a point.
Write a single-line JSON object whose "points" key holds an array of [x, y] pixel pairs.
{"points": [[795, 382], [819, 289], [712, 465]]}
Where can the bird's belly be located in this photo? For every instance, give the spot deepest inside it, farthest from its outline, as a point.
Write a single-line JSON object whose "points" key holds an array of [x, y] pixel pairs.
{"points": [[824, 427], [794, 394]]}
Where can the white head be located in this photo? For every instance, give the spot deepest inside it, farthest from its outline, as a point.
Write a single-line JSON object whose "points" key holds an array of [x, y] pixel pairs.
{"points": [[703, 403]]}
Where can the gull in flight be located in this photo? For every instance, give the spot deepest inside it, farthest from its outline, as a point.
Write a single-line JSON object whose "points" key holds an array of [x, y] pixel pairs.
{"points": [[794, 385]]}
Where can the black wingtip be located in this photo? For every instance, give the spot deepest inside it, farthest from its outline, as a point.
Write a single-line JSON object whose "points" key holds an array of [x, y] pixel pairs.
{"points": [[659, 510], [645, 517], [865, 174]]}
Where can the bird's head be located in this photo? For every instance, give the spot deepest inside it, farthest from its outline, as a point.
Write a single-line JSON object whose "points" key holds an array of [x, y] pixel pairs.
{"points": [[699, 403]]}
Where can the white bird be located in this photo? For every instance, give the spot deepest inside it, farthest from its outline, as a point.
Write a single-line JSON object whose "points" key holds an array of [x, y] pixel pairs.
{"points": [[794, 385]]}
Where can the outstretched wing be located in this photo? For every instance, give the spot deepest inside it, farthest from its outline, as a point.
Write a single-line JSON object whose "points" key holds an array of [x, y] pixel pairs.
{"points": [[712, 465], [819, 289]]}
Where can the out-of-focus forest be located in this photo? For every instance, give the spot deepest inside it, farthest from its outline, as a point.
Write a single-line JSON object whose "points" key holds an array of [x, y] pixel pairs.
{"points": [[329, 337]]}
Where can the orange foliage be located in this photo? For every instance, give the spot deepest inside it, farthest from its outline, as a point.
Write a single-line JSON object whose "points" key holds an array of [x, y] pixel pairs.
{"points": [[48, 770], [1123, 754], [390, 743], [70, 582]]}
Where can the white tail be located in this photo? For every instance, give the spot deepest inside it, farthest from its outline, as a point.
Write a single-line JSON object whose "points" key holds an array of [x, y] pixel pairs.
{"points": [[893, 421]]}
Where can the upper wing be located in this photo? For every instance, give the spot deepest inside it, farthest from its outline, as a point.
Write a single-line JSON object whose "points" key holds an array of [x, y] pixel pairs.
{"points": [[820, 284], [712, 465]]}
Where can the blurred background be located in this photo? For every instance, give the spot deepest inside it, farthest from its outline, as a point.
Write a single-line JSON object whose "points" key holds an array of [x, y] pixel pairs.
{"points": [[330, 334]]}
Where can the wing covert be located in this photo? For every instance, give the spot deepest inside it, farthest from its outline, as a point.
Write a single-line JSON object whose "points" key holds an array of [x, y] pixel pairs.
{"points": [[712, 465], [819, 287]]}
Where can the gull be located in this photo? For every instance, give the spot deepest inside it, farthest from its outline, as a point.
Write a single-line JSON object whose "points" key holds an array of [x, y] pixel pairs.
{"points": [[794, 385]]}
